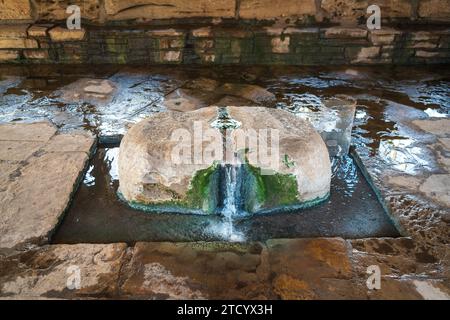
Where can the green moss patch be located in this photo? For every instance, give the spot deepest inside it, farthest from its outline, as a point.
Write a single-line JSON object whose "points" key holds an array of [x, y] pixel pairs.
{"points": [[266, 191], [202, 196]]}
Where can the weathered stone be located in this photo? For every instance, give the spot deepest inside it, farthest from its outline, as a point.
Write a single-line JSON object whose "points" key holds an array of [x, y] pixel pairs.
{"points": [[40, 131], [18, 150], [59, 34], [432, 289], [183, 100], [30, 211], [18, 43], [270, 9], [384, 39], [232, 102], [366, 55], [204, 84], [300, 266], [75, 141], [15, 10], [408, 182], [280, 45], [102, 87], [437, 188], [434, 10], [7, 173], [211, 270], [13, 31], [205, 32], [36, 54], [353, 11], [426, 54], [39, 30], [162, 172], [424, 36], [50, 271], [395, 289], [9, 55], [168, 9], [278, 31], [95, 91], [424, 45], [171, 56], [56, 10], [438, 127], [252, 93], [341, 32], [165, 33], [301, 154], [151, 171]]}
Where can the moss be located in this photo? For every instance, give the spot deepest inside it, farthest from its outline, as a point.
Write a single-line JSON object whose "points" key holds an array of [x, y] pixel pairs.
{"points": [[119, 51], [288, 163], [269, 190], [202, 195], [203, 191]]}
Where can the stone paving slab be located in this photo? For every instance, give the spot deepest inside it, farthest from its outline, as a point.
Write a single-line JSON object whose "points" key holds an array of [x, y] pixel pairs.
{"points": [[194, 271], [45, 272], [416, 267], [39, 131], [40, 172], [18, 150]]}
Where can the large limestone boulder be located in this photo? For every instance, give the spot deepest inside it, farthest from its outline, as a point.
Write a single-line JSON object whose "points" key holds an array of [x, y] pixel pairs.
{"points": [[150, 173], [172, 161], [295, 173]]}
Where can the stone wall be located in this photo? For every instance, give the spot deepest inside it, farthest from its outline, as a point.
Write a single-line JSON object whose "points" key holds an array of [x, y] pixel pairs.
{"points": [[223, 45], [299, 32], [296, 11]]}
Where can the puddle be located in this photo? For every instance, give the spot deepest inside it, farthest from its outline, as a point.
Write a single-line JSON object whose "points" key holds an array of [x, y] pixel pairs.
{"points": [[98, 216]]}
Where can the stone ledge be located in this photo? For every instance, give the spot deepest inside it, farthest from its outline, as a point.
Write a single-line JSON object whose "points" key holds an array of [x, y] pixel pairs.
{"points": [[30, 211], [59, 34]]}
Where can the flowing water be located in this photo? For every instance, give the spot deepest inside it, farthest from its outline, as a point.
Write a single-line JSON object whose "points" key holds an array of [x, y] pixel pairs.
{"points": [[231, 209]]}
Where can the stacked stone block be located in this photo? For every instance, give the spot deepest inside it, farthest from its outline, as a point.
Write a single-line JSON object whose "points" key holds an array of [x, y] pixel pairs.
{"points": [[45, 43]]}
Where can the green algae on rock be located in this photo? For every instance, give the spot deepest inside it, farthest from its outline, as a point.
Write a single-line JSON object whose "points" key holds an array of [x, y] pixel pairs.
{"points": [[201, 197]]}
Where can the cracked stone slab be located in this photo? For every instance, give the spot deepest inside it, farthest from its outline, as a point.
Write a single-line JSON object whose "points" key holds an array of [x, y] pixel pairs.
{"points": [[51, 271], [37, 185]]}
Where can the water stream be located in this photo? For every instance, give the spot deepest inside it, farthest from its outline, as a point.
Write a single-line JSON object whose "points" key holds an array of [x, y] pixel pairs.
{"points": [[231, 203]]}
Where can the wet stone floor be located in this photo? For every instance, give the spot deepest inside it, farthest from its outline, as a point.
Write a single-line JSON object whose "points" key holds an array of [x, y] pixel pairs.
{"points": [[401, 140]]}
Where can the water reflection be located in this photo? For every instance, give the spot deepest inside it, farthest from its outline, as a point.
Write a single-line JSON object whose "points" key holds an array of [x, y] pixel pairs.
{"points": [[344, 169], [403, 155]]}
